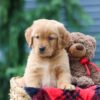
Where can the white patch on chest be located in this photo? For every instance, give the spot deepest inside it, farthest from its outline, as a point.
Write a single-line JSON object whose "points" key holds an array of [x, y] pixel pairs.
{"points": [[46, 75], [47, 80]]}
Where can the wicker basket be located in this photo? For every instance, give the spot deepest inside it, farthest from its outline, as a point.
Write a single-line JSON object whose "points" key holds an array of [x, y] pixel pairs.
{"points": [[17, 91]]}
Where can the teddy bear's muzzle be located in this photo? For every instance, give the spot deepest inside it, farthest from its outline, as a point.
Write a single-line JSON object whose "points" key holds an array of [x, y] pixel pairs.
{"points": [[77, 50], [79, 47]]}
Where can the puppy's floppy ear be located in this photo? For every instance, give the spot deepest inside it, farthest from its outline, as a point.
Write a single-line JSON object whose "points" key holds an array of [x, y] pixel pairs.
{"points": [[64, 37], [28, 36]]}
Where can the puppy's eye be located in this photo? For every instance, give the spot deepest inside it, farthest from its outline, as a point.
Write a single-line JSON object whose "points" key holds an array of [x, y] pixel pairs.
{"points": [[50, 38], [37, 37]]}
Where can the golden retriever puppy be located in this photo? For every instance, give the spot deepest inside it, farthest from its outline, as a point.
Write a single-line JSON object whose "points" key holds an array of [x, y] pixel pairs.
{"points": [[48, 63]]}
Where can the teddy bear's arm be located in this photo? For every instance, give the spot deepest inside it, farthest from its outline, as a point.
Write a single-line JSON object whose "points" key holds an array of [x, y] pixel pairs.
{"points": [[84, 81]]}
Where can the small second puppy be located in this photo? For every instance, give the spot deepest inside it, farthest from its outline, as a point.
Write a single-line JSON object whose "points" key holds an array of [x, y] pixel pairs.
{"points": [[48, 63]]}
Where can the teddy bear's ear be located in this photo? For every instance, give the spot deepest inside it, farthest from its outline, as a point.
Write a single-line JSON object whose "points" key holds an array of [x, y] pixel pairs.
{"points": [[91, 46], [92, 40], [28, 36], [64, 37]]}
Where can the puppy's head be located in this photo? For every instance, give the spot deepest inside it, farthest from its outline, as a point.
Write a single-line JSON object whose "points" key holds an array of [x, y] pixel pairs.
{"points": [[47, 37]]}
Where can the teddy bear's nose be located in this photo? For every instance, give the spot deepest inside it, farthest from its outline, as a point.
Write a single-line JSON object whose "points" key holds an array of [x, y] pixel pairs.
{"points": [[79, 47]]}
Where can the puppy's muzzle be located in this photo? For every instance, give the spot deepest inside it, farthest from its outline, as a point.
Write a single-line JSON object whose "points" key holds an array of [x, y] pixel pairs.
{"points": [[42, 49]]}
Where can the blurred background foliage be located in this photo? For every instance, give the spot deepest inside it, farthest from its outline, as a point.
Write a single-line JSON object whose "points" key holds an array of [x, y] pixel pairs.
{"points": [[14, 19]]}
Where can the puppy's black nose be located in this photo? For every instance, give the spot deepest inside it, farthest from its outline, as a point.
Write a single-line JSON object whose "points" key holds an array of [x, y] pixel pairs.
{"points": [[42, 49]]}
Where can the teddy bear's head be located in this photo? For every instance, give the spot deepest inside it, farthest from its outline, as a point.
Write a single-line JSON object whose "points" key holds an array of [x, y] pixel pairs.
{"points": [[81, 46]]}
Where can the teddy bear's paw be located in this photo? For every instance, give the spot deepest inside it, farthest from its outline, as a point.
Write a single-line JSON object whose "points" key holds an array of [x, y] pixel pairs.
{"points": [[85, 82], [67, 86]]}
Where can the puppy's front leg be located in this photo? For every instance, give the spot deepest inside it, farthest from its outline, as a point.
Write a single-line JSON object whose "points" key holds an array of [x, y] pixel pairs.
{"points": [[33, 77], [64, 79]]}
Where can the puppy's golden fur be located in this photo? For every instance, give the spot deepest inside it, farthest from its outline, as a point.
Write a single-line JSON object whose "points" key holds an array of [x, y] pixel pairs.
{"points": [[51, 66]]}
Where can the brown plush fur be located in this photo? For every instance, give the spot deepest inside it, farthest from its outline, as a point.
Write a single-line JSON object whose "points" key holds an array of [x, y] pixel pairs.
{"points": [[51, 67], [82, 46]]}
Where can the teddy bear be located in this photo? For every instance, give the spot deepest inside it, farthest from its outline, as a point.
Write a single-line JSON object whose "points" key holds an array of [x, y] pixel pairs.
{"points": [[81, 50]]}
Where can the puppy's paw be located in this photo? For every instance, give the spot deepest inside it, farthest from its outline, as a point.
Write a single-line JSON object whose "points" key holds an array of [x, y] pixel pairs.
{"points": [[70, 87], [66, 86]]}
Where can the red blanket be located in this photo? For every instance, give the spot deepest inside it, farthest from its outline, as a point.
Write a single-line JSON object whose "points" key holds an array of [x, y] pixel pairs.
{"points": [[90, 93]]}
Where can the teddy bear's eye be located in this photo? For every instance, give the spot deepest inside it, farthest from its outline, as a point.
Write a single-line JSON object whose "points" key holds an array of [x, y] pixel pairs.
{"points": [[81, 42], [75, 41]]}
